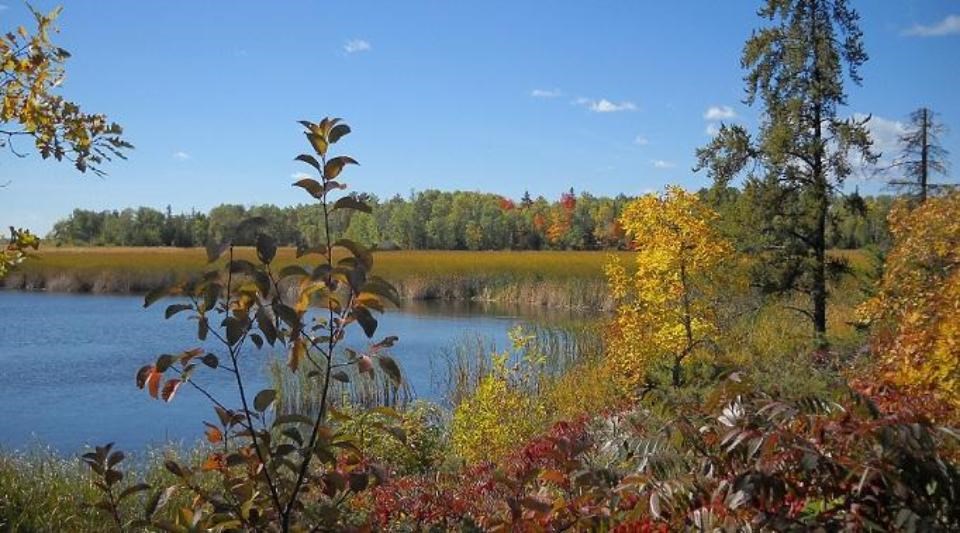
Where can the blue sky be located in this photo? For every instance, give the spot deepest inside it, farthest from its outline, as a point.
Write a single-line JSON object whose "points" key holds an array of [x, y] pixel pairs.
{"points": [[497, 96]]}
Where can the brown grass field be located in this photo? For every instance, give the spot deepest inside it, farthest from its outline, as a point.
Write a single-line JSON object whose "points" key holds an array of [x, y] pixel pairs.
{"points": [[390, 264], [562, 279], [551, 278]]}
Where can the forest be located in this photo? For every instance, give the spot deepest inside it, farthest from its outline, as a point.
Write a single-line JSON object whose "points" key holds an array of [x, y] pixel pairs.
{"points": [[438, 220], [779, 353]]}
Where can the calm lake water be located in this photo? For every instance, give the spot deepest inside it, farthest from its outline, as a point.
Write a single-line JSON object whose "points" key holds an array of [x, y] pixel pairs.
{"points": [[67, 365]]}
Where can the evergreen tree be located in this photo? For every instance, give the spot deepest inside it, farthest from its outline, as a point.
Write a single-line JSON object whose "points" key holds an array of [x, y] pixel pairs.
{"points": [[797, 162], [526, 201]]}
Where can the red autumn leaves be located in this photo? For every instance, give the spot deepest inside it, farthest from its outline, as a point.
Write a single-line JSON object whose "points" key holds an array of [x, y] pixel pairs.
{"points": [[151, 376]]}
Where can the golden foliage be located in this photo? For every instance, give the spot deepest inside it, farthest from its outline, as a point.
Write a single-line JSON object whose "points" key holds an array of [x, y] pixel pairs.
{"points": [[502, 413], [587, 388], [666, 306], [916, 313], [18, 249], [31, 70]]}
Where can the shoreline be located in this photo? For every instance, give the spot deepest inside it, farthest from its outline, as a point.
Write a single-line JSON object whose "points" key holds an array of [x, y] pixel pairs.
{"points": [[586, 295]]}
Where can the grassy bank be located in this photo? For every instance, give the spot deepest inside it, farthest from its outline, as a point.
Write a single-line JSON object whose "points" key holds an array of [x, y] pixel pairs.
{"points": [[42, 490], [548, 278]]}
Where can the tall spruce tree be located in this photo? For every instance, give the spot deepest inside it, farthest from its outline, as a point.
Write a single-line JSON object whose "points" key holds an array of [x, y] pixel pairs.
{"points": [[922, 154], [795, 164]]}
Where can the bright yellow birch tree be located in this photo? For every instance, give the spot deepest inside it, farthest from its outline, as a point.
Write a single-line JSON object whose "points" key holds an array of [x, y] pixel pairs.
{"points": [[666, 307]]}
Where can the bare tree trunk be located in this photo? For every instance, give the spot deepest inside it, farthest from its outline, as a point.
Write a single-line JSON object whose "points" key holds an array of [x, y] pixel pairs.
{"points": [[924, 149]]}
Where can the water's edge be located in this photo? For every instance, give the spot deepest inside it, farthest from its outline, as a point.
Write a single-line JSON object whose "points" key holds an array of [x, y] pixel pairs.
{"points": [[574, 294]]}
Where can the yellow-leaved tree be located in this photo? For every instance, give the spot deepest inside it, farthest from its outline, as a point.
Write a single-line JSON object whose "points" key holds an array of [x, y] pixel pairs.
{"points": [[667, 305], [916, 312], [504, 411]]}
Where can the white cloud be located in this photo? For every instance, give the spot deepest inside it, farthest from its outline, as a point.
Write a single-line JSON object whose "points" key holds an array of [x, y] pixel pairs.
{"points": [[948, 26], [545, 93], [720, 112], [356, 45], [605, 106], [885, 134], [640, 140], [660, 163], [712, 129], [300, 175], [181, 156]]}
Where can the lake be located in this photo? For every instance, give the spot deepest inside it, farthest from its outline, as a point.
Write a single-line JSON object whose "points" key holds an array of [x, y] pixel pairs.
{"points": [[67, 365]]}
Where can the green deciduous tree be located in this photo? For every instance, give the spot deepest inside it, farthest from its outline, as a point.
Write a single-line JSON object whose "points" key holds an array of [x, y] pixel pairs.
{"points": [[797, 162]]}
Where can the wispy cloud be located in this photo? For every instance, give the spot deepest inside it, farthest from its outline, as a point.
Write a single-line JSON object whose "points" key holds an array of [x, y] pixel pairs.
{"points": [[885, 134], [3, 7], [714, 114], [545, 93], [605, 106], [300, 175], [660, 163], [181, 156], [719, 112], [640, 140], [356, 45], [948, 26]]}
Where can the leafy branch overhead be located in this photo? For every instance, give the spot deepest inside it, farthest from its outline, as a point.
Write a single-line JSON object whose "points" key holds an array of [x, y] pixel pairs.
{"points": [[31, 71]]}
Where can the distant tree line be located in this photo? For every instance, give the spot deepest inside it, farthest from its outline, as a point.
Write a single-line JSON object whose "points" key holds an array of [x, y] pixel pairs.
{"points": [[439, 220]]}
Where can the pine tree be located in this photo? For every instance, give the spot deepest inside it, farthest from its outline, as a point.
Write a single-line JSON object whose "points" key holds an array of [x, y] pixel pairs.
{"points": [[797, 162], [526, 201]]}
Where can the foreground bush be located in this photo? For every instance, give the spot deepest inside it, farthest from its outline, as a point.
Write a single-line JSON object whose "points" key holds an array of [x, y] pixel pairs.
{"points": [[273, 469], [916, 313], [504, 410], [756, 463]]}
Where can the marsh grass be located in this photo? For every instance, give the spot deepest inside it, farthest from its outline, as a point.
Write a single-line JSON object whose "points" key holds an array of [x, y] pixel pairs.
{"points": [[43, 490], [564, 279], [561, 346], [300, 392]]}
